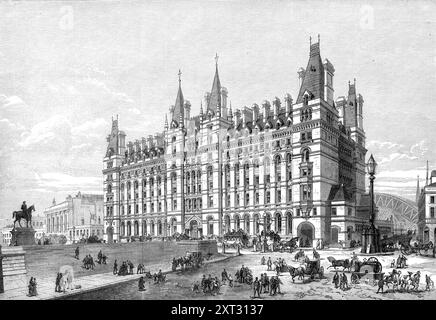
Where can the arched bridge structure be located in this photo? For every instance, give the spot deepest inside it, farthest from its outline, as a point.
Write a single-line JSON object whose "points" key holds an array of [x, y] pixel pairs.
{"points": [[404, 212]]}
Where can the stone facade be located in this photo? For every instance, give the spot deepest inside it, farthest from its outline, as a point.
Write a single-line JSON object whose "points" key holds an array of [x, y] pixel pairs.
{"points": [[296, 167], [426, 210], [76, 218]]}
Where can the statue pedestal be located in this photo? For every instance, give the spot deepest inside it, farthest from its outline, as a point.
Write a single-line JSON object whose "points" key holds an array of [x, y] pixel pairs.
{"points": [[23, 237], [13, 274]]}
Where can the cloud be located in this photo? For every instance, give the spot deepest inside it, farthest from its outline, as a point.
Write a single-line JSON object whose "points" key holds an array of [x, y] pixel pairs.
{"points": [[89, 128], [11, 102], [58, 180], [101, 85], [135, 111], [53, 133], [382, 144]]}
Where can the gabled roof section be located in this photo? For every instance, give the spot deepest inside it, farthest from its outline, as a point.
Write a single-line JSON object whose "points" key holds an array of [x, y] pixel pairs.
{"points": [[339, 193], [314, 76], [215, 93]]}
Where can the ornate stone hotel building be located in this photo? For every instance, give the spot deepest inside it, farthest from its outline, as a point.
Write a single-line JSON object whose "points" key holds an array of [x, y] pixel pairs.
{"points": [[293, 166]]}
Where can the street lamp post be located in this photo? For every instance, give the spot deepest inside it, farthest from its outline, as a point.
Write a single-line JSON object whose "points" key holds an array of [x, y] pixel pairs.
{"points": [[371, 235]]}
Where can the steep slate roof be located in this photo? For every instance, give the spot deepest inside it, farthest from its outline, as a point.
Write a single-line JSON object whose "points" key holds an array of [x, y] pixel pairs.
{"points": [[339, 193], [314, 77]]}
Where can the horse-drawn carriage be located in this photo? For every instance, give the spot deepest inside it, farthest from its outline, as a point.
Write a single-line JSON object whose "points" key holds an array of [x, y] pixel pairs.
{"points": [[357, 268], [233, 239], [288, 245], [310, 267], [192, 259]]}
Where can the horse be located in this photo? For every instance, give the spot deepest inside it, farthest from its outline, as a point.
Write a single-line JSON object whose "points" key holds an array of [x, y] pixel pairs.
{"points": [[18, 215], [296, 272], [345, 264]]}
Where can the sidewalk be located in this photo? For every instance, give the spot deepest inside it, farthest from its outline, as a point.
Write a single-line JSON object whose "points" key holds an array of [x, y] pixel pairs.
{"points": [[89, 283]]}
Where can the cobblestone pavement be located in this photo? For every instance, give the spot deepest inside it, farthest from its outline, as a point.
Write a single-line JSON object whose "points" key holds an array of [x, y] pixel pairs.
{"points": [[178, 285]]}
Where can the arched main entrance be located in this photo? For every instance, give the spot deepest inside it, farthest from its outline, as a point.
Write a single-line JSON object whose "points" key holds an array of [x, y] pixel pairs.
{"points": [[110, 234], [288, 223], [334, 235], [306, 232], [426, 234], [193, 229]]}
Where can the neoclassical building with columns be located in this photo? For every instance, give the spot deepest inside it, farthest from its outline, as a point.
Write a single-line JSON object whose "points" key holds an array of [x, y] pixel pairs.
{"points": [[293, 166]]}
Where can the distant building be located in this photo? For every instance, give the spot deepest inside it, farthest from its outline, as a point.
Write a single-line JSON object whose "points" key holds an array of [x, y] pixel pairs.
{"points": [[426, 210], [76, 218], [6, 235], [39, 224]]}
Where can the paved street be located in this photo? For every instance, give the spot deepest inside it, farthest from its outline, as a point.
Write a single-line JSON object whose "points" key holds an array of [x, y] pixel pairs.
{"points": [[178, 285], [88, 283]]}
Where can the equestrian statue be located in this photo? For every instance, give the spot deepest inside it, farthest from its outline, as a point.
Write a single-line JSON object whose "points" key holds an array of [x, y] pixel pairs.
{"points": [[25, 213]]}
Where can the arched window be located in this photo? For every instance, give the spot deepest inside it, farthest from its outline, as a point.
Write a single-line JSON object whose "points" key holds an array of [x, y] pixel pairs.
{"points": [[173, 183], [159, 228], [278, 222], [237, 222], [227, 176], [256, 173], [305, 155], [247, 223], [266, 164], [109, 188], [246, 175], [236, 174], [256, 223], [123, 229], [227, 224], [210, 225], [210, 177], [288, 223], [278, 170], [289, 167]]}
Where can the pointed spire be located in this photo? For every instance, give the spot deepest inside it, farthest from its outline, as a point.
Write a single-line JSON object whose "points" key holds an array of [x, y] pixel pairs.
{"points": [[166, 122], [418, 192], [215, 94], [201, 109], [426, 178], [230, 111], [178, 108]]}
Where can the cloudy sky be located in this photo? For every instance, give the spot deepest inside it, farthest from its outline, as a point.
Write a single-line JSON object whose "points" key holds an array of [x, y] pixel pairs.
{"points": [[67, 67]]}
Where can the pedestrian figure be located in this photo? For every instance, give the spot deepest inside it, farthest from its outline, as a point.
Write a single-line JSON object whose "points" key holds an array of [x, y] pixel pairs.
{"points": [[262, 261], [256, 288], [265, 283], [58, 282], [381, 283], [428, 283], [141, 284], [32, 287], [115, 269], [224, 276], [76, 253], [315, 254], [344, 282], [336, 280], [269, 264], [229, 277], [277, 269]]}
